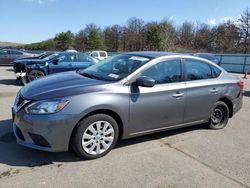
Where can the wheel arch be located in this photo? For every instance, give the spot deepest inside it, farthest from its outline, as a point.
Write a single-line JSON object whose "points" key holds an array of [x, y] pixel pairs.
{"points": [[111, 113], [229, 104]]}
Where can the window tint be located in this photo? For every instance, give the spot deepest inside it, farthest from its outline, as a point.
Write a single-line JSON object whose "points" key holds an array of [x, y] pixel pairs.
{"points": [[102, 54], [197, 70], [165, 72], [216, 71]]}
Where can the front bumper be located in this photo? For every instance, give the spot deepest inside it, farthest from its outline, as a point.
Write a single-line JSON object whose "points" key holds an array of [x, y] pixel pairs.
{"points": [[43, 132]]}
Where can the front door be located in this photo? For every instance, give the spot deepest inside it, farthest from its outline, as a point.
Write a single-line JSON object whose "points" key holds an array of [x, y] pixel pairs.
{"points": [[161, 106], [65, 62]]}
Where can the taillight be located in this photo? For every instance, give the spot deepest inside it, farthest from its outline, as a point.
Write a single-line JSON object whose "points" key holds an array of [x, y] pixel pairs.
{"points": [[241, 85]]}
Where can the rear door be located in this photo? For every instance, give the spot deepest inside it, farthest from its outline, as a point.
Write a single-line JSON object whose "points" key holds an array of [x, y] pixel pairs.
{"points": [[202, 90], [162, 105], [65, 63]]}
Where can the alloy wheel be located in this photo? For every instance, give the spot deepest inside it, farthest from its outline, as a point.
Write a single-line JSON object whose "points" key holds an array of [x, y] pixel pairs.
{"points": [[35, 74], [98, 137]]}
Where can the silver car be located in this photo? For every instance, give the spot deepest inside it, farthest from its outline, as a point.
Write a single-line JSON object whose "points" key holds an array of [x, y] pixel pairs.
{"points": [[125, 96]]}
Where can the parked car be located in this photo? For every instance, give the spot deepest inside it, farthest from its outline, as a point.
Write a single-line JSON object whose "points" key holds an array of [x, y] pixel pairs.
{"points": [[125, 96], [19, 64], [33, 69], [8, 55], [99, 54], [208, 56]]}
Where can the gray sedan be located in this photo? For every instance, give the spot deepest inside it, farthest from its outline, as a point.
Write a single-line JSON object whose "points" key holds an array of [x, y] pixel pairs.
{"points": [[125, 96]]}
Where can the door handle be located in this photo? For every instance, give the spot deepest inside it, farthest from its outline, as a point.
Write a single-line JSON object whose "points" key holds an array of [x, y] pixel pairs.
{"points": [[70, 65], [178, 95], [214, 90]]}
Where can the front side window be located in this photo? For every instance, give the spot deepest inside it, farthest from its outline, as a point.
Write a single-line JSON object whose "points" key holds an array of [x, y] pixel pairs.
{"points": [[165, 72], [66, 58], [94, 54], [197, 70], [115, 68]]}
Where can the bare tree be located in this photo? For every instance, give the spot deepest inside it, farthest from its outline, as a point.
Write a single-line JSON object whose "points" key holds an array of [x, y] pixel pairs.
{"points": [[186, 35], [134, 35], [202, 38], [169, 34], [244, 29], [112, 37]]}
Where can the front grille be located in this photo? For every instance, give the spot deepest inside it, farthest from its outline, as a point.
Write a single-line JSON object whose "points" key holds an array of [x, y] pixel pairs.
{"points": [[19, 67]]}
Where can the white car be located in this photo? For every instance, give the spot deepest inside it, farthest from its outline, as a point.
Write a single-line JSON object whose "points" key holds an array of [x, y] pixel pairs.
{"points": [[99, 54]]}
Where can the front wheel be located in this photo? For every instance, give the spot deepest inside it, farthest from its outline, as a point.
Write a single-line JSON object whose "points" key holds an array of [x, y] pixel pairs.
{"points": [[219, 116], [95, 136], [35, 74]]}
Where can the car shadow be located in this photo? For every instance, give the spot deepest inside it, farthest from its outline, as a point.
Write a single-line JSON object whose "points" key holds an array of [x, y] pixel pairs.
{"points": [[15, 156], [9, 82], [246, 93], [10, 70]]}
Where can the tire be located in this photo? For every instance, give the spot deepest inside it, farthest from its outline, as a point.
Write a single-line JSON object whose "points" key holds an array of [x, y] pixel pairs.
{"points": [[35, 74], [89, 142], [219, 116]]}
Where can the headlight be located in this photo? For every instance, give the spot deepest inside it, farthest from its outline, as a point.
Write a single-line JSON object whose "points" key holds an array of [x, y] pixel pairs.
{"points": [[46, 107]]}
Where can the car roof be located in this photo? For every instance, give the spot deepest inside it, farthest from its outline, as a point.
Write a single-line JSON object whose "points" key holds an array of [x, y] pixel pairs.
{"points": [[151, 54]]}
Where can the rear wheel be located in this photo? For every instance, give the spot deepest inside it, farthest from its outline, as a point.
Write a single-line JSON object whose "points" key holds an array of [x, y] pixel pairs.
{"points": [[219, 116], [35, 74], [95, 136]]}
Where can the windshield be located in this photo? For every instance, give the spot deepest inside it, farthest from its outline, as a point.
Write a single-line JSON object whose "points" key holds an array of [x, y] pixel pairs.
{"points": [[115, 68], [51, 56], [44, 55]]}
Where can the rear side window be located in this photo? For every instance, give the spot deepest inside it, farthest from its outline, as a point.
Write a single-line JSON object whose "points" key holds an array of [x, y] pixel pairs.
{"points": [[197, 70], [216, 71], [102, 54], [165, 72], [84, 58]]}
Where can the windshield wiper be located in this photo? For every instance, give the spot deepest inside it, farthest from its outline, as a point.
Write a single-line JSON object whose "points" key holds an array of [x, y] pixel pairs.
{"points": [[90, 76]]}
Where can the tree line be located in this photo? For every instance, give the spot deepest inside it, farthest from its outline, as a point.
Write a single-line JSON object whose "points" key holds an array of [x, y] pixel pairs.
{"points": [[232, 36]]}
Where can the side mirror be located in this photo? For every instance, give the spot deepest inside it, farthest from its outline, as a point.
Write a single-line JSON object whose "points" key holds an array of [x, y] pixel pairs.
{"points": [[145, 81], [55, 61]]}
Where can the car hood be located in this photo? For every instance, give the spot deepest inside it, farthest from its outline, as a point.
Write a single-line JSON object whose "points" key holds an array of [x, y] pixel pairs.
{"points": [[26, 58], [61, 85], [28, 61]]}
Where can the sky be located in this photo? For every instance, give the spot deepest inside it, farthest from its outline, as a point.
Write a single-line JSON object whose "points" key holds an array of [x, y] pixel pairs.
{"points": [[27, 21]]}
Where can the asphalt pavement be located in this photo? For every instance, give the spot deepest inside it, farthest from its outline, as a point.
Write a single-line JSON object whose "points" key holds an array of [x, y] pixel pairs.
{"points": [[188, 157]]}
